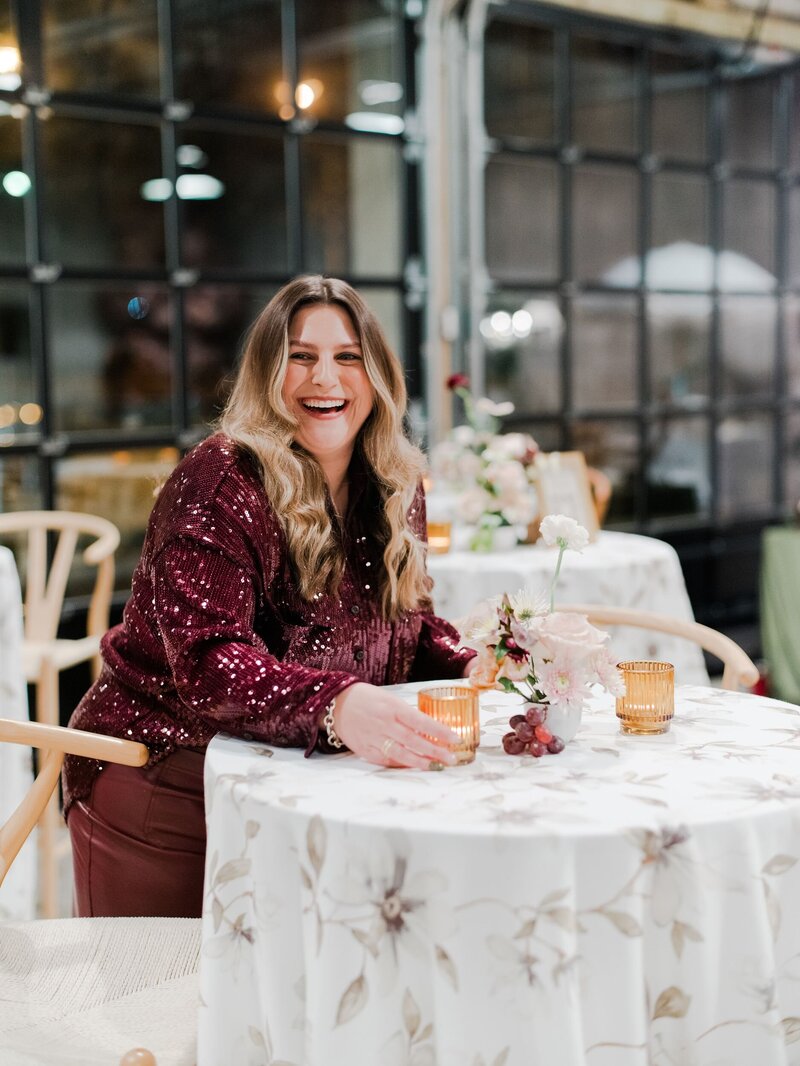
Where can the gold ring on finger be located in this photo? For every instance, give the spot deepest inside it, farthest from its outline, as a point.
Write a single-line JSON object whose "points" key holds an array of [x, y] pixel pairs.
{"points": [[385, 747]]}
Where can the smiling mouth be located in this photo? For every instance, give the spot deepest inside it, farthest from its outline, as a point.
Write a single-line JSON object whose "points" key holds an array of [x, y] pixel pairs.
{"points": [[324, 408]]}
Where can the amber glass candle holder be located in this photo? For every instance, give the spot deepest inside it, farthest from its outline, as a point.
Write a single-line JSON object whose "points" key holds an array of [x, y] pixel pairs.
{"points": [[439, 534], [649, 701], [455, 706]]}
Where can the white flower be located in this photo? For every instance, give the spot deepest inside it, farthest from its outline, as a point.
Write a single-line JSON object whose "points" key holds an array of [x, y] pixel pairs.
{"points": [[496, 410], [482, 625], [563, 531], [527, 604], [473, 503], [464, 435], [506, 474]]}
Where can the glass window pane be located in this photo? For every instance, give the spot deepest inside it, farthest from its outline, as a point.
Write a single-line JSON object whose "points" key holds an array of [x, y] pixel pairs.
{"points": [[613, 447], [521, 335], [749, 230], [20, 487], [546, 434], [111, 361], [679, 87], [215, 319], [604, 352], [121, 486], [746, 454], [352, 202], [678, 468], [604, 95], [604, 224], [519, 73], [233, 194], [794, 236], [20, 415], [791, 327], [679, 334], [522, 219], [680, 213], [93, 46], [747, 345], [97, 212], [748, 135], [14, 187], [230, 54], [350, 61], [387, 306]]}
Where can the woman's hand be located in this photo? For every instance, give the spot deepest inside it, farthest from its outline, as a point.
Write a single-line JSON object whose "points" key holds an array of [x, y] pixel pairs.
{"points": [[383, 729]]}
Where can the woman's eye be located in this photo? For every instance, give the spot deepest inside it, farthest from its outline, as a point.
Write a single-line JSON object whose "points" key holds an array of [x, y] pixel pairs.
{"points": [[350, 357], [302, 357]]}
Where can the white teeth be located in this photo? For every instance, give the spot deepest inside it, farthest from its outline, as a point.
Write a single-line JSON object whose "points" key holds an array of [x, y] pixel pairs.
{"points": [[324, 405]]}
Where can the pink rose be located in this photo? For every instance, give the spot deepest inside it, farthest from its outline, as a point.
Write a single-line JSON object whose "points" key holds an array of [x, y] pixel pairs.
{"points": [[565, 634]]}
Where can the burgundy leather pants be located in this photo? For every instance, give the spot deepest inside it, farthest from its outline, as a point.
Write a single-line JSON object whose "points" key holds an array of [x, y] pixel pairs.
{"points": [[139, 841]]}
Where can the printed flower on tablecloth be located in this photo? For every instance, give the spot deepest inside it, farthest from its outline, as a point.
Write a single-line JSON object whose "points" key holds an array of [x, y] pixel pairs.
{"points": [[491, 473]]}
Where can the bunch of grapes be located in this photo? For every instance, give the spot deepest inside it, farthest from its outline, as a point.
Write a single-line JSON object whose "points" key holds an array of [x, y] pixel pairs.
{"points": [[530, 733]]}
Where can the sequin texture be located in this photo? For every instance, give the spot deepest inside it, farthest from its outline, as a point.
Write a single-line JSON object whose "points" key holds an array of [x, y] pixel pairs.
{"points": [[216, 638]]}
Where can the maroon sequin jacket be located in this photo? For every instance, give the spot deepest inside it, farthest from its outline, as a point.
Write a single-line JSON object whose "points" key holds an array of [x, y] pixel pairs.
{"points": [[215, 636]]}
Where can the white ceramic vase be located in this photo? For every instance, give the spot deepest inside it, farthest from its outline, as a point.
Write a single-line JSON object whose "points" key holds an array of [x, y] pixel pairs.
{"points": [[564, 724]]}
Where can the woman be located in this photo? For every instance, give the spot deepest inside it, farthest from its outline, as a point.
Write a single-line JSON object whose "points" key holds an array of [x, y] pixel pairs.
{"points": [[282, 582]]}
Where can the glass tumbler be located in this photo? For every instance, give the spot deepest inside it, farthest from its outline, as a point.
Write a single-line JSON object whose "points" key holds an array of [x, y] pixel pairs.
{"points": [[649, 701], [457, 707]]}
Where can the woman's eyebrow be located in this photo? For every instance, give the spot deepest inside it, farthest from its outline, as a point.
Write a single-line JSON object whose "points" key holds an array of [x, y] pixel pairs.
{"points": [[297, 343]]}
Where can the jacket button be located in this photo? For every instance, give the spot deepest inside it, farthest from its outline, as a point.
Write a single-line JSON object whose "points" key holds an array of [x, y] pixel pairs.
{"points": [[358, 655], [355, 609]]}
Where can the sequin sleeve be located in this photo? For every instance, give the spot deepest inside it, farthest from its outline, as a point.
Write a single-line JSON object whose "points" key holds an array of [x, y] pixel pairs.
{"points": [[205, 605]]}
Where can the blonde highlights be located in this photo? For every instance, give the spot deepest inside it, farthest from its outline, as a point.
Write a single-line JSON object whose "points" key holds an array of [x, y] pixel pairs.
{"points": [[257, 418]]}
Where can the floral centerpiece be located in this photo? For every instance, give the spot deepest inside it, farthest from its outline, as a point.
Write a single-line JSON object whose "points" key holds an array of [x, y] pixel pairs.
{"points": [[548, 658], [491, 473]]}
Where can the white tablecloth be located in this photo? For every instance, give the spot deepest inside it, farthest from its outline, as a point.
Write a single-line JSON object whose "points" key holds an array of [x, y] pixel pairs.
{"points": [[616, 570], [631, 902], [18, 893]]}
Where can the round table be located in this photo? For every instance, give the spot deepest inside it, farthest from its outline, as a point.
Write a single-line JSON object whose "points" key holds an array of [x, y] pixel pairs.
{"points": [[18, 893], [615, 570], [630, 901]]}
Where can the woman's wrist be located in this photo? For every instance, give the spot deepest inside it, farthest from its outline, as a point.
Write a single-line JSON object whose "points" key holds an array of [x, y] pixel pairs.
{"points": [[328, 723]]}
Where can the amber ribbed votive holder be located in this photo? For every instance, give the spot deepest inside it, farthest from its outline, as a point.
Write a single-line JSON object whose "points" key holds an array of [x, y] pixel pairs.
{"points": [[439, 537], [649, 701], [456, 706]]}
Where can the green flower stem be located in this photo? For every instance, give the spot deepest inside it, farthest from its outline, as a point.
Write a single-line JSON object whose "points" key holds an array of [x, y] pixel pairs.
{"points": [[562, 547]]}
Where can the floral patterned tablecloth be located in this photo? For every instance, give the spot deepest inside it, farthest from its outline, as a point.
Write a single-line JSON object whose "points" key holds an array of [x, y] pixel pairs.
{"points": [[18, 894], [631, 902], [616, 570]]}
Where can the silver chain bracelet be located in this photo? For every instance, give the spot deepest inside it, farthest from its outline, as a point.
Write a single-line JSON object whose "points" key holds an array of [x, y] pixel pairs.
{"points": [[327, 721]]}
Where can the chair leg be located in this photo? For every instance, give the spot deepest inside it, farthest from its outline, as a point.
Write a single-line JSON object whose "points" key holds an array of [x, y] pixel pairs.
{"points": [[47, 712]]}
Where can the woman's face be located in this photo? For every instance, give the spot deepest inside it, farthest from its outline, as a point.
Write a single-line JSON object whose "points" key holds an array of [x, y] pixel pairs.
{"points": [[326, 386]]}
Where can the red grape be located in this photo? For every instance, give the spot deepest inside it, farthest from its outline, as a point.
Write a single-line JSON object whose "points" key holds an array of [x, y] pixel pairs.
{"points": [[537, 749], [525, 731], [535, 715], [555, 746], [543, 734], [515, 720], [512, 744]]}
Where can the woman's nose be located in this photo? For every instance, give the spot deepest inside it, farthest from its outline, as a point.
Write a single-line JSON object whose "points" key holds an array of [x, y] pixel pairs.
{"points": [[324, 372]]}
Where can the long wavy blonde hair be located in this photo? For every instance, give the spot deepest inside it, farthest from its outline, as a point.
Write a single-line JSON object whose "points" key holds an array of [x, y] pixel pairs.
{"points": [[257, 418]]}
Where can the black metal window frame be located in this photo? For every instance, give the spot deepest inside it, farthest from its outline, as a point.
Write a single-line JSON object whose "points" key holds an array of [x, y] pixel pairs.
{"points": [[168, 113]]}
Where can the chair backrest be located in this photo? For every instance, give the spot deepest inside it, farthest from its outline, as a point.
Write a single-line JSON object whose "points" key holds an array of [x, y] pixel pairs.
{"points": [[739, 669], [601, 487], [55, 742], [44, 592]]}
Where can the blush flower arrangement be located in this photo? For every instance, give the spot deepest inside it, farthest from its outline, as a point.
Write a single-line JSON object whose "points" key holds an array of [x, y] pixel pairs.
{"points": [[489, 471], [548, 658]]}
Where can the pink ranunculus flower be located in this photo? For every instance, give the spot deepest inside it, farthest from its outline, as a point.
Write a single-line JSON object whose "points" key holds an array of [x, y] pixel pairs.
{"points": [[564, 634], [607, 673], [514, 669]]}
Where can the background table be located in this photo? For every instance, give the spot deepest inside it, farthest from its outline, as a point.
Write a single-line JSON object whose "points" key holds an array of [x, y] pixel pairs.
{"points": [[631, 901], [780, 610], [18, 894], [618, 569]]}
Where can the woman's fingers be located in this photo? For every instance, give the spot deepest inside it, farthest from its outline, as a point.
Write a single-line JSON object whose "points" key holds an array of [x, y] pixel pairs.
{"points": [[400, 755], [418, 722]]}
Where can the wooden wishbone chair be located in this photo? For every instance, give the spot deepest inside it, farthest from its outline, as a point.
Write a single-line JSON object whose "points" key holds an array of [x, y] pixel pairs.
{"points": [[118, 982], [44, 654], [739, 669]]}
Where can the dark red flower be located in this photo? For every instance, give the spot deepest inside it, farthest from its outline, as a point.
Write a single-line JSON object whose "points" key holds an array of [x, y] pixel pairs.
{"points": [[457, 381]]}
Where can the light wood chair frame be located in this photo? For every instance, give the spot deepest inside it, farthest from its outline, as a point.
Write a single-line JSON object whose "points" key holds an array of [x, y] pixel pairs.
{"points": [[739, 670], [44, 598]]}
